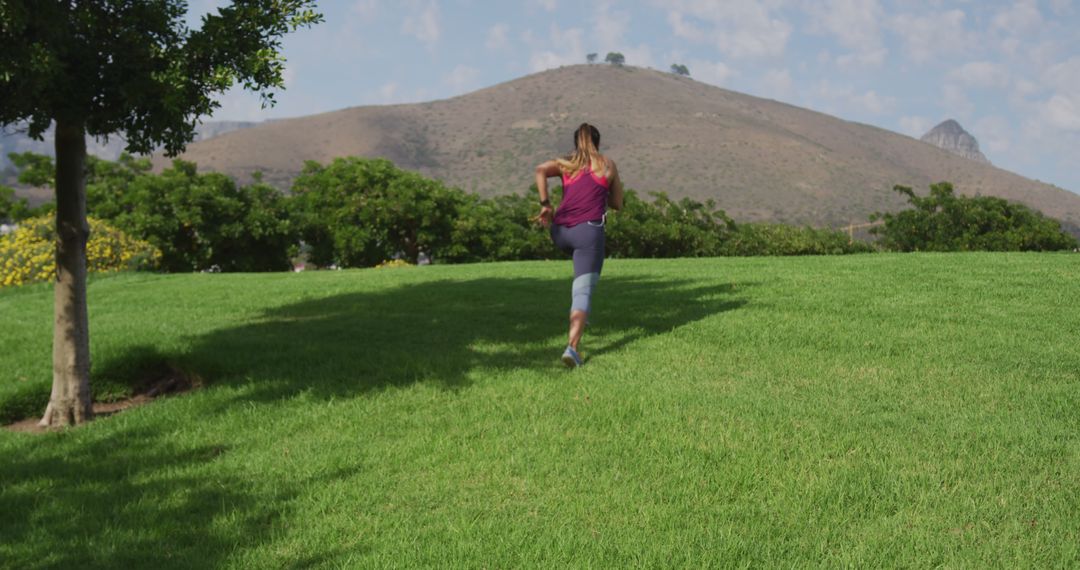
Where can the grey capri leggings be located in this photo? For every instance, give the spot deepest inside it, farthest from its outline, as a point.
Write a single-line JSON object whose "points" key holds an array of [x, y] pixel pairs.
{"points": [[586, 243]]}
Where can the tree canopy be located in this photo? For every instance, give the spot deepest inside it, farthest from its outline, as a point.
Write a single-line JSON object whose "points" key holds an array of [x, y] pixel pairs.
{"points": [[134, 67], [615, 58]]}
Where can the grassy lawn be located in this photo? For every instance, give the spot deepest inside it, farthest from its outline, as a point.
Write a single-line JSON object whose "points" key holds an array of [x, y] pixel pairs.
{"points": [[867, 411]]}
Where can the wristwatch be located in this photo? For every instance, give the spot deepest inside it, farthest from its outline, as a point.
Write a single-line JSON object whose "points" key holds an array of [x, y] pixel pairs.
{"points": [[545, 202]]}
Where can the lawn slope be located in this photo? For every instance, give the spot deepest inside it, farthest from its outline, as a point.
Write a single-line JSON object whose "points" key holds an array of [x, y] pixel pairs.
{"points": [[870, 411]]}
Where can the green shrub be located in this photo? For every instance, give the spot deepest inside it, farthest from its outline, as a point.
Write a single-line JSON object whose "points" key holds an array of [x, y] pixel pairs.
{"points": [[357, 212], [14, 209], [197, 221], [497, 229], [943, 221], [781, 239], [200, 221], [666, 228]]}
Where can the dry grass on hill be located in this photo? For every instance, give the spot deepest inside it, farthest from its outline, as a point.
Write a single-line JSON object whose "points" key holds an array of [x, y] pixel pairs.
{"points": [[758, 158]]}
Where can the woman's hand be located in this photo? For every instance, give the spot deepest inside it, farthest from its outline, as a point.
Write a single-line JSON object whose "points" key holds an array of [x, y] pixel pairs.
{"points": [[544, 217]]}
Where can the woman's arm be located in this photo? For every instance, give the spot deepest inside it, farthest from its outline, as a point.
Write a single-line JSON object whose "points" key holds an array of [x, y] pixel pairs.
{"points": [[544, 171], [615, 196]]}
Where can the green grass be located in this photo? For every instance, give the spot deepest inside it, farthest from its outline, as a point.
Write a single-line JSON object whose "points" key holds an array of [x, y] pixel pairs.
{"points": [[864, 411]]}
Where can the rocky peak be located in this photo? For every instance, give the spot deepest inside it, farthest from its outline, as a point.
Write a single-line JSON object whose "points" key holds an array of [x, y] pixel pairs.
{"points": [[950, 136]]}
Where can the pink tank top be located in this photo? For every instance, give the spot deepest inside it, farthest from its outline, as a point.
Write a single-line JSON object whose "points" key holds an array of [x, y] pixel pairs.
{"points": [[584, 198]]}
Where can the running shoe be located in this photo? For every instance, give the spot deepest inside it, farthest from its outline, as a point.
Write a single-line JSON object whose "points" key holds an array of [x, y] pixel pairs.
{"points": [[571, 358]]}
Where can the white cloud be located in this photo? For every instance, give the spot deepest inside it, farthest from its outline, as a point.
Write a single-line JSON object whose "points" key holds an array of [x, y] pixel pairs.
{"points": [[1062, 112], [914, 126], [1061, 7], [955, 101], [994, 135], [365, 9], [712, 72], [570, 48], [1021, 18], [422, 22], [1058, 110], [392, 93], [932, 35], [873, 58], [856, 24], [738, 28], [845, 99], [549, 5], [1064, 76], [640, 56], [1009, 46], [462, 78], [872, 102], [609, 25], [288, 75], [497, 37], [777, 84], [240, 105], [985, 74], [388, 92], [608, 31], [1024, 88]]}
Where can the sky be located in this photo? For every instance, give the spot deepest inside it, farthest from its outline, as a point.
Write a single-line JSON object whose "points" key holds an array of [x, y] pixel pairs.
{"points": [[1008, 71]]}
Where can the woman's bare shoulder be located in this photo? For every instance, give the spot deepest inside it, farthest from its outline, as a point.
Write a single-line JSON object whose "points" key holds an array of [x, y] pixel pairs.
{"points": [[611, 165]]}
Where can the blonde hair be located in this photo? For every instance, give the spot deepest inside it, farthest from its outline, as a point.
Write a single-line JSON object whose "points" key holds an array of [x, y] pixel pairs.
{"points": [[586, 151]]}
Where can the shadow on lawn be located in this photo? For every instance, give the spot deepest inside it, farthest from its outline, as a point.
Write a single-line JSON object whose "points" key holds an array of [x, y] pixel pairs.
{"points": [[129, 498], [138, 497], [440, 331]]}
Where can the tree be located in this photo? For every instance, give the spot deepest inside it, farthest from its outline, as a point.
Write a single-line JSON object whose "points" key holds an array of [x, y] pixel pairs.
{"points": [[615, 58], [122, 66], [591, 58], [198, 221], [357, 212], [680, 69]]}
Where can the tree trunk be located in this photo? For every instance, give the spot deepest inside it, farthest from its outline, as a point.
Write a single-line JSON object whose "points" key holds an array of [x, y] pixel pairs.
{"points": [[70, 402]]}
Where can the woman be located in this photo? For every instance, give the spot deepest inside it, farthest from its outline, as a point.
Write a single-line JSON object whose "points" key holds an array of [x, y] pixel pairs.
{"points": [[590, 185]]}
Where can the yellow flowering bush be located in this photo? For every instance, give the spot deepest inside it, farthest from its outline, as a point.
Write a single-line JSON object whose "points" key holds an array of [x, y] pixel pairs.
{"points": [[28, 254], [393, 263]]}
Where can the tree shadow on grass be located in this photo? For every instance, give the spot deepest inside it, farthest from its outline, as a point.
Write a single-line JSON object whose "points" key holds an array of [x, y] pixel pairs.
{"points": [[131, 499], [138, 497], [440, 332]]}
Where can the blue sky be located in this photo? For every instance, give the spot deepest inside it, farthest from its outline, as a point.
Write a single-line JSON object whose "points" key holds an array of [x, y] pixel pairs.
{"points": [[1009, 71]]}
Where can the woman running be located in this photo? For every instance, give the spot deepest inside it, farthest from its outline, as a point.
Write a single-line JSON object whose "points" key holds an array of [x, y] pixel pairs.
{"points": [[590, 185]]}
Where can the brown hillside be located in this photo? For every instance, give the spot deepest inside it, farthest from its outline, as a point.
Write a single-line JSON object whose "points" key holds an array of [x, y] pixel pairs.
{"points": [[758, 158]]}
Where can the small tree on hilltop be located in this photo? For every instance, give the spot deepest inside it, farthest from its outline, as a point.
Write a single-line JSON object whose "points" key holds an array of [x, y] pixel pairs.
{"points": [[615, 58], [131, 67], [680, 69], [591, 58]]}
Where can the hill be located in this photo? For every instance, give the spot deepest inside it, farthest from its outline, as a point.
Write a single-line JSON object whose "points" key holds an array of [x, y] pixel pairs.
{"points": [[759, 159]]}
